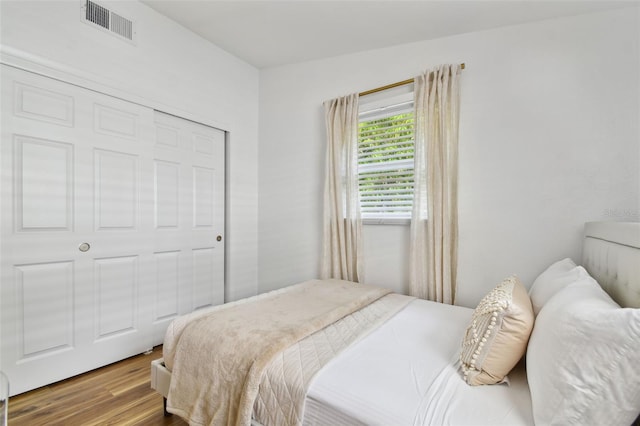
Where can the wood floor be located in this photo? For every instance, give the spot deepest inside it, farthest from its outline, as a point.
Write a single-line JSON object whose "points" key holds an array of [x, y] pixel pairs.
{"points": [[118, 394]]}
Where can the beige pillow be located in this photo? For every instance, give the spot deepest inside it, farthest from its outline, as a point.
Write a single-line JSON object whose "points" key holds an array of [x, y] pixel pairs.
{"points": [[498, 334]]}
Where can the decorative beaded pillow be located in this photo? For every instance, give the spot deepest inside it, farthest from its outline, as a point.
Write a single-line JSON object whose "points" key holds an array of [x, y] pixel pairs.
{"points": [[498, 334]]}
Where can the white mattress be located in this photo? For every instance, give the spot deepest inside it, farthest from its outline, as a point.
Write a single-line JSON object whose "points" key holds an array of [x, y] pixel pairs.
{"points": [[406, 373]]}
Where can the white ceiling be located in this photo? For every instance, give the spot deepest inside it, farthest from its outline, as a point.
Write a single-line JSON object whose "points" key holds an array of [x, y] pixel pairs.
{"points": [[271, 33]]}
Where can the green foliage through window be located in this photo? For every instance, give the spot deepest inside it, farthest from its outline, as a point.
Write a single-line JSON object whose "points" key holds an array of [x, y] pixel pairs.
{"points": [[385, 165]]}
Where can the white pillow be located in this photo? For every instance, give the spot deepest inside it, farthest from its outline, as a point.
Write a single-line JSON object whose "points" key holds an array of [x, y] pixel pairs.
{"points": [[554, 279], [583, 359]]}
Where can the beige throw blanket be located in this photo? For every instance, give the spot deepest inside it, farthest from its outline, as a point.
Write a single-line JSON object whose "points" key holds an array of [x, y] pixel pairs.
{"points": [[286, 381], [220, 358]]}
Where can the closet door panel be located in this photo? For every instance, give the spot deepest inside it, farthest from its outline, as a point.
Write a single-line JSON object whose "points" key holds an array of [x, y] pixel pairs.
{"points": [[203, 197], [115, 122], [167, 189], [168, 277], [204, 274], [71, 245], [37, 103], [45, 301], [116, 290], [43, 177], [116, 190], [189, 216]]}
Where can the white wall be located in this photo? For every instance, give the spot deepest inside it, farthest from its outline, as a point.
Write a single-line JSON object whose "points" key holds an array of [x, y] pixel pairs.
{"points": [[169, 68], [549, 139]]}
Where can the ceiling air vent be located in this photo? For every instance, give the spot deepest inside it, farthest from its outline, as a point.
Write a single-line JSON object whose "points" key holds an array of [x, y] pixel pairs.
{"points": [[108, 19]]}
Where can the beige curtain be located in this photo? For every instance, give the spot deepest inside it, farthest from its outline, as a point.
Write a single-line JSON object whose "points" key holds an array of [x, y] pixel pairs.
{"points": [[434, 224], [342, 242]]}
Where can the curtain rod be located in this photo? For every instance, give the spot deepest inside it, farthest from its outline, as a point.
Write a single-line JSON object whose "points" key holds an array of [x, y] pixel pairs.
{"points": [[392, 85]]}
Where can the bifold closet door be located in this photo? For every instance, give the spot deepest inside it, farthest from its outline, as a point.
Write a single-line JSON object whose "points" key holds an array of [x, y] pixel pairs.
{"points": [[99, 247]]}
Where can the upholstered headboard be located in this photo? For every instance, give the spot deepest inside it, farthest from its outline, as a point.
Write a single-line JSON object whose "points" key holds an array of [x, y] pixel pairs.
{"points": [[611, 254]]}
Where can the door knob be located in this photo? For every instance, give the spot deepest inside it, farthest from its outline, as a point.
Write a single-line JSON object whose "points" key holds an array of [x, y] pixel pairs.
{"points": [[219, 238], [84, 247]]}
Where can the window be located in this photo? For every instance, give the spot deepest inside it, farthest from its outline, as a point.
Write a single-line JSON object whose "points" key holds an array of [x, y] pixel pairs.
{"points": [[385, 161]]}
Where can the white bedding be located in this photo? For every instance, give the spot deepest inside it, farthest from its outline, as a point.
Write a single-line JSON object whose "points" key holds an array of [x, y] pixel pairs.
{"points": [[406, 371], [418, 349]]}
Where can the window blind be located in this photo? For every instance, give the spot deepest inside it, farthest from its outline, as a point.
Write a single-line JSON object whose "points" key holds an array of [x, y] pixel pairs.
{"points": [[385, 162]]}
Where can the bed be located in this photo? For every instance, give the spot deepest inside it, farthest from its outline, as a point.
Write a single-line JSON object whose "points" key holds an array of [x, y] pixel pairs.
{"points": [[391, 359]]}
